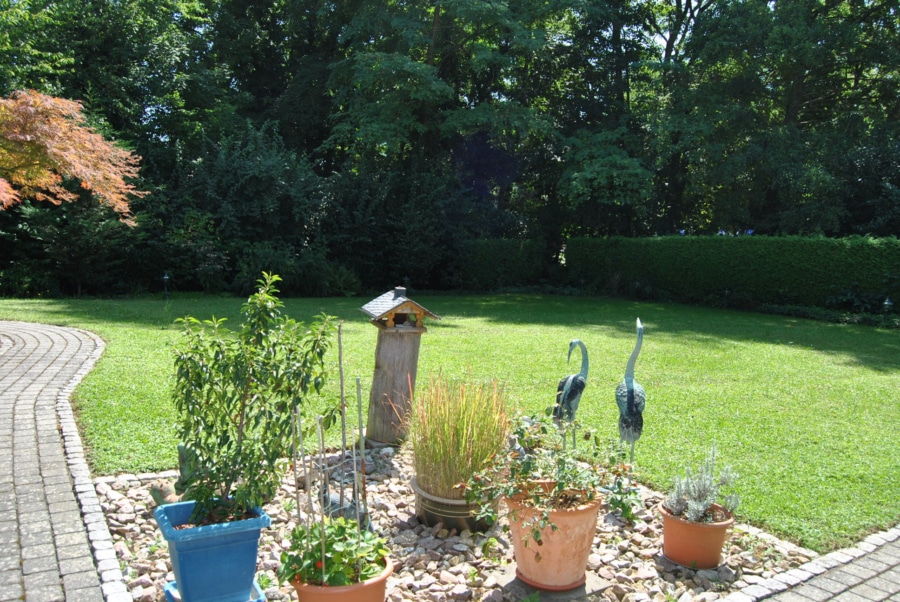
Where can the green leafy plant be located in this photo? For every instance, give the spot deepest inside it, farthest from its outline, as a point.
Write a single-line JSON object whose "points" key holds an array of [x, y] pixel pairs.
{"points": [[456, 428], [264, 581], [692, 496], [621, 495], [332, 552], [540, 473], [234, 393]]}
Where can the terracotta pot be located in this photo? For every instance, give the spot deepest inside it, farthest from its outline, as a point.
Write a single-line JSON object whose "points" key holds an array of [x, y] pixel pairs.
{"points": [[453, 514], [558, 564], [372, 590], [694, 545]]}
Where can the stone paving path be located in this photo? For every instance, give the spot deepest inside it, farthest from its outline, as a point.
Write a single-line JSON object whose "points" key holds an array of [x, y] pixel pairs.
{"points": [[56, 546], [866, 572]]}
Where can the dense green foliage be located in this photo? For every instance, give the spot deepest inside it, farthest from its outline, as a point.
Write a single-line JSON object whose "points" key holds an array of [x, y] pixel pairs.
{"points": [[349, 144], [492, 264], [745, 271], [237, 395], [805, 412]]}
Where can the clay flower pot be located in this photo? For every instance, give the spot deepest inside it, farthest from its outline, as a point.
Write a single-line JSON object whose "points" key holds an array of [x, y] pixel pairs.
{"points": [[692, 544], [372, 590], [558, 564]]}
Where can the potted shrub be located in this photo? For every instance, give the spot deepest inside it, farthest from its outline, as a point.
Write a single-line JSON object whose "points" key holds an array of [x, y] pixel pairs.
{"points": [[235, 393], [456, 428], [333, 559], [697, 514], [552, 501]]}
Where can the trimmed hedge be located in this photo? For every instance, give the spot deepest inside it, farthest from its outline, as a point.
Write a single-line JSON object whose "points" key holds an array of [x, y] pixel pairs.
{"points": [[740, 271], [489, 265]]}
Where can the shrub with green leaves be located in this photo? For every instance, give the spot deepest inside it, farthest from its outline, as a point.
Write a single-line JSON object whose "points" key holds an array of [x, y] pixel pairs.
{"points": [[235, 393]]}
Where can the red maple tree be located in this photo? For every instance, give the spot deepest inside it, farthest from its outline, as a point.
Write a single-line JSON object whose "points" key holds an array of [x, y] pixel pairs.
{"points": [[44, 139]]}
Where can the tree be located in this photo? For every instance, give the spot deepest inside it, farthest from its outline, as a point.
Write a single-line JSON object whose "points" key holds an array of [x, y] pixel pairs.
{"points": [[26, 58], [44, 140]]}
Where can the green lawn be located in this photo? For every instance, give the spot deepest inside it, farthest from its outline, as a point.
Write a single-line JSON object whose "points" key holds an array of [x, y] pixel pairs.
{"points": [[807, 413]]}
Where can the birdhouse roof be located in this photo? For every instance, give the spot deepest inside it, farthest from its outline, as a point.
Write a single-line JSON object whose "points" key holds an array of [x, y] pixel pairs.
{"points": [[394, 301]]}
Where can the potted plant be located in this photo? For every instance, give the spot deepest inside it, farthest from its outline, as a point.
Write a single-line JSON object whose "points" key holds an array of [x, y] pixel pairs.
{"points": [[333, 559], [235, 393], [552, 500], [697, 514], [456, 428]]}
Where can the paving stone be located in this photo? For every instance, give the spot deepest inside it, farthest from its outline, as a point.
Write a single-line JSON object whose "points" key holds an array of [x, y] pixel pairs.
{"points": [[45, 593], [885, 584], [38, 565], [11, 591], [811, 592], [857, 569], [848, 596], [87, 594], [870, 593], [81, 580]]}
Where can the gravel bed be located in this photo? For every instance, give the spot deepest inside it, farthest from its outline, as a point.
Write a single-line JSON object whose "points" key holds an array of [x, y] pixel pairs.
{"points": [[626, 563]]}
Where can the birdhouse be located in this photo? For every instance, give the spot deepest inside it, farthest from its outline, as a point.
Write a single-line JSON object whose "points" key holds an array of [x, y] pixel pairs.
{"points": [[400, 326]]}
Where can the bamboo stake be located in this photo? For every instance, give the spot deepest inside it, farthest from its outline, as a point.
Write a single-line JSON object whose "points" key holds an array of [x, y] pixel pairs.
{"points": [[299, 458], [321, 430], [343, 408], [362, 440]]}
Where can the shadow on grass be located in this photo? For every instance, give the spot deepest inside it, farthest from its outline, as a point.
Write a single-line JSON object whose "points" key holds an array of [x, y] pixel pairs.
{"points": [[866, 346]]}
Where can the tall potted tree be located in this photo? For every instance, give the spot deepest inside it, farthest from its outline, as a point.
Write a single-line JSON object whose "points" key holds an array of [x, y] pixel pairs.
{"points": [[456, 429], [234, 393]]}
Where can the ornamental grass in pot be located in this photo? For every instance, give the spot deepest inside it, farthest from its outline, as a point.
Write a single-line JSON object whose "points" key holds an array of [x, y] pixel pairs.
{"points": [[552, 499], [456, 429], [235, 394], [697, 514]]}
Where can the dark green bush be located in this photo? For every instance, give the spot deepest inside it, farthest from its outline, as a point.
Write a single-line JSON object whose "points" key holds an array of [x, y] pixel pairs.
{"points": [[489, 265]]}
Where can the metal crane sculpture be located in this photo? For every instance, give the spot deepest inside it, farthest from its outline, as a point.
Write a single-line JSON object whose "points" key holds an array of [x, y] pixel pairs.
{"points": [[630, 398], [568, 393]]}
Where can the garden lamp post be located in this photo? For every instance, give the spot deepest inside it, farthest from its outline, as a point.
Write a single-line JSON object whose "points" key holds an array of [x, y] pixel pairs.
{"points": [[166, 285], [888, 305]]}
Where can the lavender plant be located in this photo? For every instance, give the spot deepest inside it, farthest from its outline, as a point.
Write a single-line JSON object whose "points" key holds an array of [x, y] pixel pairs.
{"points": [[693, 495]]}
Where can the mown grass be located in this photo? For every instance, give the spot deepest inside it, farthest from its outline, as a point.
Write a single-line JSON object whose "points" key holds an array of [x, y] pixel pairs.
{"points": [[807, 413]]}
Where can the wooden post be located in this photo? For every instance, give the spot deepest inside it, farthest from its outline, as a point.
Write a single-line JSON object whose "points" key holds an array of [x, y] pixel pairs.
{"points": [[393, 384], [400, 328]]}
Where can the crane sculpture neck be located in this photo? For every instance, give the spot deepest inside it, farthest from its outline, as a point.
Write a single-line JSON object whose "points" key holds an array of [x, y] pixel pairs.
{"points": [[629, 369], [584, 356]]}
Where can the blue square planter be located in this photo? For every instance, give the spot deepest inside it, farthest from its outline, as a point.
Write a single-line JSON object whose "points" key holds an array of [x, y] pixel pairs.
{"points": [[212, 563]]}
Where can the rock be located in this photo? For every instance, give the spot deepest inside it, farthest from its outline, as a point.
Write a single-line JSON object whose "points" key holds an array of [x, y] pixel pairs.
{"points": [[726, 574], [645, 572], [461, 592]]}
